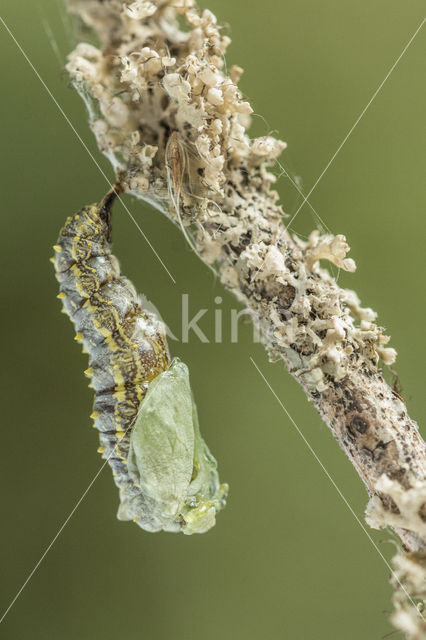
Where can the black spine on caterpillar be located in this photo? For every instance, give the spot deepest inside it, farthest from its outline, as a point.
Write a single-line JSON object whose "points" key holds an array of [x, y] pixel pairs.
{"points": [[162, 486]]}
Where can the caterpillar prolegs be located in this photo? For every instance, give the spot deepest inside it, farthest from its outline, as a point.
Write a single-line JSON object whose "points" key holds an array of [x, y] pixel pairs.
{"points": [[143, 409]]}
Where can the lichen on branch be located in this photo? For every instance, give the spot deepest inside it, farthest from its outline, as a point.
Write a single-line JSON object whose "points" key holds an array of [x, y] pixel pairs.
{"points": [[170, 117]]}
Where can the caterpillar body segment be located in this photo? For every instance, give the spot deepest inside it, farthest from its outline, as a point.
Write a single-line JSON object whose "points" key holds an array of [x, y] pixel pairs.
{"points": [[162, 486]]}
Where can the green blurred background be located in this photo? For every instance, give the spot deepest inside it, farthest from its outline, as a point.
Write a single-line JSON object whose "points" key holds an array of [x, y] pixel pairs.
{"points": [[286, 558]]}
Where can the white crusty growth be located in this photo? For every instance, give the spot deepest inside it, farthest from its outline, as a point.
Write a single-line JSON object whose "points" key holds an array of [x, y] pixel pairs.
{"points": [[155, 82]]}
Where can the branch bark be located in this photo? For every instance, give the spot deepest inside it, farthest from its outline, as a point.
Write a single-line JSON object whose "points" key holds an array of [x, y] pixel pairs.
{"points": [[173, 124]]}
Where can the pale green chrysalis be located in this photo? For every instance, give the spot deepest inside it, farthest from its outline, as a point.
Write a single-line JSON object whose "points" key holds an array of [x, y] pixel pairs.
{"points": [[170, 461]]}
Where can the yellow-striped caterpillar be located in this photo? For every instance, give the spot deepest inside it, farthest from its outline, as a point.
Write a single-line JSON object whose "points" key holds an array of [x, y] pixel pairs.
{"points": [[143, 407]]}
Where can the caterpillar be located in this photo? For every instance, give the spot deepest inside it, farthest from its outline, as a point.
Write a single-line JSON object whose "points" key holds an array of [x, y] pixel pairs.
{"points": [[144, 408]]}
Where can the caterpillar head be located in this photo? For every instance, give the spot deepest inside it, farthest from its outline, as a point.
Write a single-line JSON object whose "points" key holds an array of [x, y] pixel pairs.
{"points": [[169, 460]]}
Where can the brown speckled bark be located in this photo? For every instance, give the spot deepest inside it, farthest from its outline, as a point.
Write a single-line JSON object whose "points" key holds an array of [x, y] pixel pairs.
{"points": [[372, 426], [367, 418]]}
